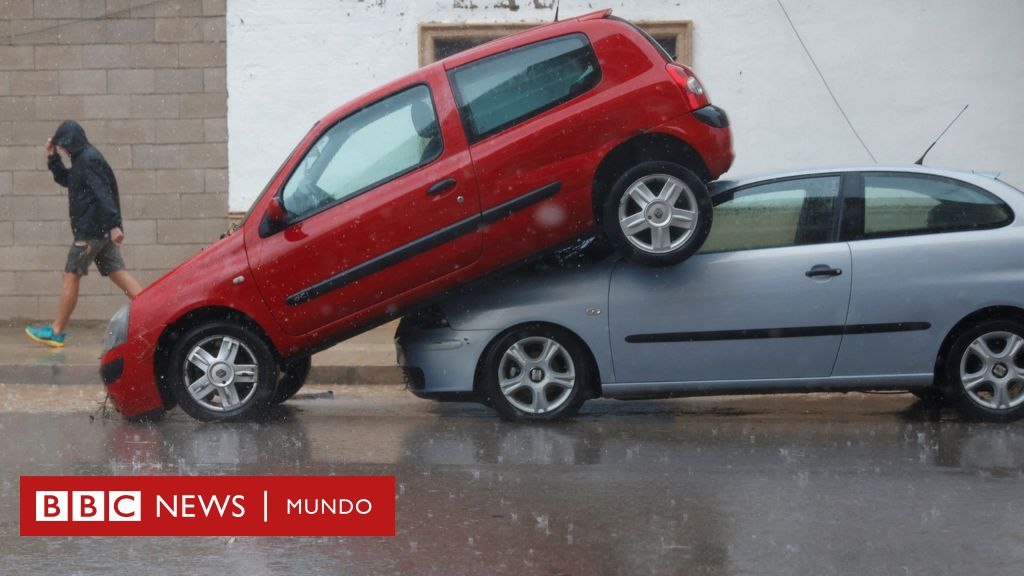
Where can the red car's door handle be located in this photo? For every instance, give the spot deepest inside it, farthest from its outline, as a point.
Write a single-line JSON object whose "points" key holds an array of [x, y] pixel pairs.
{"points": [[441, 187]]}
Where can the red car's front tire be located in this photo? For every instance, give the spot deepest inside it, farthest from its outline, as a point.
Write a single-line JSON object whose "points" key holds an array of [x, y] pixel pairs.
{"points": [[222, 371]]}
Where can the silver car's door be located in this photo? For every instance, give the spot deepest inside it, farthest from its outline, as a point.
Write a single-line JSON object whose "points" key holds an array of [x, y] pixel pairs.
{"points": [[766, 298], [928, 251]]}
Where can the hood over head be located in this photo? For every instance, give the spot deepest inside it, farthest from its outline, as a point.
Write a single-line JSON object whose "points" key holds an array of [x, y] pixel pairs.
{"points": [[71, 136]]}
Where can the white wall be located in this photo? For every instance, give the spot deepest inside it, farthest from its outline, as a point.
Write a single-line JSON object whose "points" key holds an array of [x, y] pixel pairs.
{"points": [[902, 69]]}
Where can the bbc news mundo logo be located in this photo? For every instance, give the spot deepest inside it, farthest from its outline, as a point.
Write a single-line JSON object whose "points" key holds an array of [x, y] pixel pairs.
{"points": [[207, 506]]}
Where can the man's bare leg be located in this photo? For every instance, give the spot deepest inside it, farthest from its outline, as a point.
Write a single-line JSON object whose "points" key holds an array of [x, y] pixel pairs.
{"points": [[126, 282], [68, 301]]}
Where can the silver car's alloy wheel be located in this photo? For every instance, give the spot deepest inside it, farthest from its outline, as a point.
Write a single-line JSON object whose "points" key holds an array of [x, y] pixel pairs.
{"points": [[658, 222], [220, 373], [536, 375], [992, 371]]}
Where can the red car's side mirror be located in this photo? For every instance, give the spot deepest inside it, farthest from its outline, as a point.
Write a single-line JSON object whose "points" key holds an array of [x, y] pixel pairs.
{"points": [[275, 218], [276, 212]]}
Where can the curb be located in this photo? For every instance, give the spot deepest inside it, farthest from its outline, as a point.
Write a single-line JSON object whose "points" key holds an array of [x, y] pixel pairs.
{"points": [[58, 374]]}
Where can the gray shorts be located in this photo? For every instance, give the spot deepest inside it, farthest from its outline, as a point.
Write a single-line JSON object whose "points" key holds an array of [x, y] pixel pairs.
{"points": [[103, 252]]}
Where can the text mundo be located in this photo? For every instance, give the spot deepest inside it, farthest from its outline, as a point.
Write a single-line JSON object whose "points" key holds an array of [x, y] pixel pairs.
{"points": [[333, 506]]}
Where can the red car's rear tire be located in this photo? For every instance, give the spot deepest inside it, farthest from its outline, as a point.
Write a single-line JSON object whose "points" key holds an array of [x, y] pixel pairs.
{"points": [[657, 213]]}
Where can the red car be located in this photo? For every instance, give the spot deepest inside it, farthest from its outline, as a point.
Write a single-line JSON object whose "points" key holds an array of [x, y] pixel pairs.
{"points": [[468, 165]]}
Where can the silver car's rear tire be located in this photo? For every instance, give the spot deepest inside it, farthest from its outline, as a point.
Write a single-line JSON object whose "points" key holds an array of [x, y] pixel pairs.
{"points": [[536, 373], [985, 369]]}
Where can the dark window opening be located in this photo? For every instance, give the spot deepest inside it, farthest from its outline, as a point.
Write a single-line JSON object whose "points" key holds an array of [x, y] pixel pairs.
{"points": [[910, 204], [445, 47]]}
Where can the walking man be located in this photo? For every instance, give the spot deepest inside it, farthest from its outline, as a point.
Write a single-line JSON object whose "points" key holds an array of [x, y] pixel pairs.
{"points": [[95, 212]]}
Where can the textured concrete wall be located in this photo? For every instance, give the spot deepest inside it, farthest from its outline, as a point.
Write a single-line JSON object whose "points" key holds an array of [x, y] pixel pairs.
{"points": [[902, 70], [147, 81]]}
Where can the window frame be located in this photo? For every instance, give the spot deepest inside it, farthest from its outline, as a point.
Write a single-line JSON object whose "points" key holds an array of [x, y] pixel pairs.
{"points": [[837, 208], [469, 124], [430, 32], [291, 219], [856, 204]]}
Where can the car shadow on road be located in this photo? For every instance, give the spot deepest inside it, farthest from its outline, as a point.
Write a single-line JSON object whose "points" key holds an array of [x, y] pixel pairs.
{"points": [[930, 410]]}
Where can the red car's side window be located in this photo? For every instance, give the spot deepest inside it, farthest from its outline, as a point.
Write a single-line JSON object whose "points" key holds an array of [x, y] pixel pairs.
{"points": [[500, 91], [372, 146]]}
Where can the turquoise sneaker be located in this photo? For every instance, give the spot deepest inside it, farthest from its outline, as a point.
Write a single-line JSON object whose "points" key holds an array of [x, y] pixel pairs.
{"points": [[45, 336]]}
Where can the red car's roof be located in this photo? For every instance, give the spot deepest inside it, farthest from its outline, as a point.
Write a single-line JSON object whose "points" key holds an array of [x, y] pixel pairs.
{"points": [[528, 36], [518, 39]]}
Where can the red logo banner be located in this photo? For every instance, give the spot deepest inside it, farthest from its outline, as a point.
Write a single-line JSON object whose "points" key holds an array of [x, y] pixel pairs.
{"points": [[207, 505]]}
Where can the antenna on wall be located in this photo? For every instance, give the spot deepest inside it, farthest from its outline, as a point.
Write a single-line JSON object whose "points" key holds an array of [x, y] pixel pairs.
{"points": [[556, 10], [920, 160]]}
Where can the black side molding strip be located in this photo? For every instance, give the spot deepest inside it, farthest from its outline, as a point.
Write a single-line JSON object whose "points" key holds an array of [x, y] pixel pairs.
{"points": [[763, 333], [355, 273], [423, 244], [893, 327], [492, 215]]}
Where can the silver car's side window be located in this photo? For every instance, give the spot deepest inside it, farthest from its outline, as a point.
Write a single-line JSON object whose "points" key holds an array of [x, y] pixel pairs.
{"points": [[787, 213], [909, 204]]}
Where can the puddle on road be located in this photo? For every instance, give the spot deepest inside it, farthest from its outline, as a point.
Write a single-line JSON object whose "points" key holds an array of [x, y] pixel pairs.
{"points": [[59, 398], [37, 398]]}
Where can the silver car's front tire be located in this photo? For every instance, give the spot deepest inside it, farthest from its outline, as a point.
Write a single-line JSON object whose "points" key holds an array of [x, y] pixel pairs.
{"points": [[536, 373], [986, 369]]}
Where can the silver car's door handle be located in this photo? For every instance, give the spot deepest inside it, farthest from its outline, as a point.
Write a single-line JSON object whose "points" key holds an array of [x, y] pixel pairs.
{"points": [[823, 270]]}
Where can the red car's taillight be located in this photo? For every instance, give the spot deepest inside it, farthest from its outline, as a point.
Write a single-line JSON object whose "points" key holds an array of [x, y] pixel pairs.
{"points": [[692, 89]]}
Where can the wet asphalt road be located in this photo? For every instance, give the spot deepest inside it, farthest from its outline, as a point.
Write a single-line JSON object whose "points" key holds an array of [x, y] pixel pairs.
{"points": [[823, 484]]}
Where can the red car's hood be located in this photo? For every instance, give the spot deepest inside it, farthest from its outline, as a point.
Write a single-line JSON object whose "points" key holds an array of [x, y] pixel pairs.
{"points": [[201, 264]]}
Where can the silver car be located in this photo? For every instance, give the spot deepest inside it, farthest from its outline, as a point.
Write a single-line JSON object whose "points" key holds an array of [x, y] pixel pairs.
{"points": [[864, 278]]}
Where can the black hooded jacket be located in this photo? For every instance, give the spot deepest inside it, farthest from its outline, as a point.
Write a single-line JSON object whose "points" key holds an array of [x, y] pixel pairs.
{"points": [[93, 203]]}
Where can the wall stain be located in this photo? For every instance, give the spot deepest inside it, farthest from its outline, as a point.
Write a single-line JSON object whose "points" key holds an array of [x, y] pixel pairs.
{"points": [[511, 5], [369, 3]]}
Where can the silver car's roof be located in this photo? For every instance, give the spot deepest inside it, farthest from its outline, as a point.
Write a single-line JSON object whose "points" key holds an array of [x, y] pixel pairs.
{"points": [[977, 177]]}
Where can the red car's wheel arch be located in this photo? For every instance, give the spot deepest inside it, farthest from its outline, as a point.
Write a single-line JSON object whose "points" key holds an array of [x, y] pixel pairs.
{"points": [[186, 321], [645, 147]]}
